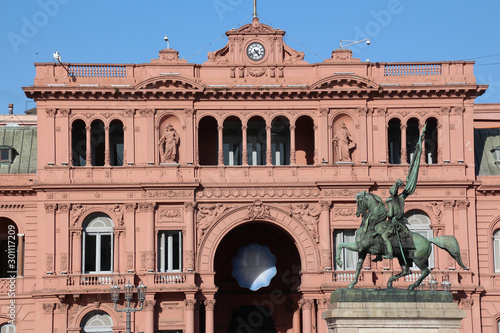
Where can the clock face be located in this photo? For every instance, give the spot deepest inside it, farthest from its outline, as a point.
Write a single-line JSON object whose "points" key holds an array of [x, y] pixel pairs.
{"points": [[256, 51]]}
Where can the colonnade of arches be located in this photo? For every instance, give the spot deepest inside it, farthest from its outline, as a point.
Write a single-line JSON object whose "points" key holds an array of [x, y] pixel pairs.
{"points": [[99, 144], [402, 138], [255, 141]]}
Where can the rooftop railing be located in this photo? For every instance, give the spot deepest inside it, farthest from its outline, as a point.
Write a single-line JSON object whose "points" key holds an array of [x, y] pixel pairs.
{"points": [[97, 71], [412, 69]]}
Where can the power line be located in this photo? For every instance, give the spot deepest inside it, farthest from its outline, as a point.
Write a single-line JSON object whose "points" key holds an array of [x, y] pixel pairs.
{"points": [[488, 56]]}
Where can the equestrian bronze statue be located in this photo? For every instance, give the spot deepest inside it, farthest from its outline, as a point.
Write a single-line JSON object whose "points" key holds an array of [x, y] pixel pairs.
{"points": [[384, 232]]}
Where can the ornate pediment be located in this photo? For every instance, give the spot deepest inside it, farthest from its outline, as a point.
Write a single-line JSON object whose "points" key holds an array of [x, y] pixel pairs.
{"points": [[255, 44], [256, 28], [343, 82], [169, 82]]}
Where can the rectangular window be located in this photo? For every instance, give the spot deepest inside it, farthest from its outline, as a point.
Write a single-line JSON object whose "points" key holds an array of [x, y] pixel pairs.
{"points": [[6, 154], [90, 253], [349, 258], [496, 246], [170, 251]]}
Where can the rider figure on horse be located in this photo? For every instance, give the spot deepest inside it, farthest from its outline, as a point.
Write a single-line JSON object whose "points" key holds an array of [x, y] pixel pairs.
{"points": [[396, 204]]}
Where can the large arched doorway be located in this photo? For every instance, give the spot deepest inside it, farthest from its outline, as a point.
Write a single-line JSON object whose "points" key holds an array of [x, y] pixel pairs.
{"points": [[269, 308]]}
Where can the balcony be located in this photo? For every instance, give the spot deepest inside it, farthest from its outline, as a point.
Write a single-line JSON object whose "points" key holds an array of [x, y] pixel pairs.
{"points": [[378, 279]]}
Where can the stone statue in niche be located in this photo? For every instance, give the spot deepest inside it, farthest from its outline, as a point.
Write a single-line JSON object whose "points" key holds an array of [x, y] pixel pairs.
{"points": [[343, 143], [168, 145]]}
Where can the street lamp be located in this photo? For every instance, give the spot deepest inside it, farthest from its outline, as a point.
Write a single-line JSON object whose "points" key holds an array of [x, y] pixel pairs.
{"points": [[129, 292]]}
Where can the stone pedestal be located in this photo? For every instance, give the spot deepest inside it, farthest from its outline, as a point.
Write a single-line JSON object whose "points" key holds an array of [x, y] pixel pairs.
{"points": [[392, 311]]}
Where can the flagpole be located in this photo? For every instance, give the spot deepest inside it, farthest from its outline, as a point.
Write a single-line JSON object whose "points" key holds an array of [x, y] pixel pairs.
{"points": [[254, 8]]}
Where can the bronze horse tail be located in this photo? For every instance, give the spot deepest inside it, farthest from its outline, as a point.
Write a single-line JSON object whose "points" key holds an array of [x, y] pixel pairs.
{"points": [[450, 245]]}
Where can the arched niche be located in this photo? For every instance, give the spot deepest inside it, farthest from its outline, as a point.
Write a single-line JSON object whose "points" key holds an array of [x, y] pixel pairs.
{"points": [[170, 139], [344, 139]]}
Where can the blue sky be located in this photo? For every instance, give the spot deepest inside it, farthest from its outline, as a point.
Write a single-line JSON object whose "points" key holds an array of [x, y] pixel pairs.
{"points": [[131, 31]]}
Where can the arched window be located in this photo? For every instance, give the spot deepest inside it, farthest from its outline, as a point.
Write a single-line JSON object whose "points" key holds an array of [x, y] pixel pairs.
{"points": [[97, 142], [420, 223], [8, 328], [9, 248], [412, 134], [280, 141], [232, 141], [79, 143], [256, 141], [496, 249], [97, 322], [431, 142], [304, 141], [97, 244], [394, 141], [116, 143], [208, 141]]}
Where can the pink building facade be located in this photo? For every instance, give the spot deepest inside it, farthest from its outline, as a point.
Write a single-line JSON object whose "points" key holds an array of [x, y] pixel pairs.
{"points": [[162, 172]]}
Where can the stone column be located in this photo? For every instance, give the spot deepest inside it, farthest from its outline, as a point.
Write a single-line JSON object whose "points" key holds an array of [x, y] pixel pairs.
{"points": [[62, 133], [48, 313], [269, 154], [459, 130], [129, 220], [88, 156], [189, 147], [463, 236], [244, 152], [296, 321], [404, 153], [116, 250], [61, 317], [189, 240], [77, 252], [364, 141], [51, 133], [209, 316], [382, 128], [292, 145], [322, 307], [306, 305], [189, 305], [149, 309], [221, 144], [148, 254], [20, 254], [62, 237], [107, 156], [316, 143], [424, 152], [323, 117], [325, 234], [50, 209], [128, 140], [444, 134]]}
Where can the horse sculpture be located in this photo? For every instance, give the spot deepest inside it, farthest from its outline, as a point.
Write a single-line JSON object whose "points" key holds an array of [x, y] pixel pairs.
{"points": [[408, 247]]}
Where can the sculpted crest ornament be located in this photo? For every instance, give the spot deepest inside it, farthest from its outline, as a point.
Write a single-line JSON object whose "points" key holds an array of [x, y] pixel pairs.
{"points": [[383, 231]]}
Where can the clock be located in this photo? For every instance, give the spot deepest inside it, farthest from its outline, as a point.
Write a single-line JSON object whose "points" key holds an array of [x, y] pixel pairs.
{"points": [[256, 51]]}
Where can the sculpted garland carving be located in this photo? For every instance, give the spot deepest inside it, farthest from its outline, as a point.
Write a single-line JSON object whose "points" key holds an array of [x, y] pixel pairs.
{"points": [[340, 193], [167, 194], [119, 211], [207, 215], [169, 214], [246, 192], [256, 72], [146, 207], [308, 214], [346, 212], [50, 208], [437, 209]]}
